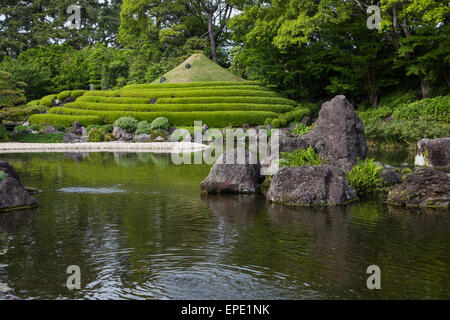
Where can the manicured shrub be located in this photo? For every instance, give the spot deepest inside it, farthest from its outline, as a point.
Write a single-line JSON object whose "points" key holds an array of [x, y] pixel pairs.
{"points": [[160, 123], [196, 100], [143, 127], [365, 177], [65, 120], [77, 93], [268, 121], [218, 119], [107, 128], [96, 135], [176, 107], [20, 129], [36, 127], [48, 100], [190, 85], [301, 158], [437, 109], [3, 175], [301, 129], [283, 123], [295, 115], [59, 127], [3, 133], [276, 123], [129, 124], [64, 95], [33, 103]]}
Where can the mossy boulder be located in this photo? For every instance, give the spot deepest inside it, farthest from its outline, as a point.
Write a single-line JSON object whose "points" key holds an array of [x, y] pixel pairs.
{"points": [[13, 195]]}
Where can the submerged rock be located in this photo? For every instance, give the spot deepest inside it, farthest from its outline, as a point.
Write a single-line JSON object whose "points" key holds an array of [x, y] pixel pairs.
{"points": [[233, 177], [424, 188], [338, 135], [434, 153], [13, 195], [309, 186]]}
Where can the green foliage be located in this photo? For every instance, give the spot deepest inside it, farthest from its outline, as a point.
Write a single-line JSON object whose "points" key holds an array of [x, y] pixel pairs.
{"points": [[437, 109], [77, 93], [143, 127], [37, 138], [3, 133], [36, 127], [275, 123], [129, 124], [20, 129], [295, 115], [33, 103], [65, 120], [64, 95], [96, 135], [11, 90], [301, 158], [365, 177], [301, 129], [3, 175], [160, 123], [48, 100], [59, 127]]}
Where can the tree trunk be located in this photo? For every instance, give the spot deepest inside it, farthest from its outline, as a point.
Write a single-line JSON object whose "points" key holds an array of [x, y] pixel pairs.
{"points": [[425, 85], [212, 37]]}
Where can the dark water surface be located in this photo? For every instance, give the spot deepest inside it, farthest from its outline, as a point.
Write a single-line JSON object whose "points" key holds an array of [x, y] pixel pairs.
{"points": [[138, 228]]}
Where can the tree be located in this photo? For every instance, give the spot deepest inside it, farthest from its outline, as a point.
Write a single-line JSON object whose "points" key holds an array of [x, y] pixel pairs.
{"points": [[11, 95]]}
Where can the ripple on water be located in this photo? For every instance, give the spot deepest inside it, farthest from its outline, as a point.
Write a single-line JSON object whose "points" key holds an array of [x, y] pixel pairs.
{"points": [[91, 190]]}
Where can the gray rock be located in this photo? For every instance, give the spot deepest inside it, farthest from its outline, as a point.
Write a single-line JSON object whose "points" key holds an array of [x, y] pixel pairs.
{"points": [[391, 176], [26, 124], [434, 153], [424, 188], [205, 127], [50, 130], [76, 129], [310, 186], [159, 139], [84, 132], [246, 126], [233, 177], [142, 138], [13, 195], [338, 135], [121, 134], [72, 138], [306, 120]]}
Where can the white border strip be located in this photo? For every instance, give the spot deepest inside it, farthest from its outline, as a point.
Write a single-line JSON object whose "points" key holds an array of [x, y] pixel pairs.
{"points": [[166, 147]]}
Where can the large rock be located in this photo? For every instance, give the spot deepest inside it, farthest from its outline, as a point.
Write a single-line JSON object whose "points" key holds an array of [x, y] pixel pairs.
{"points": [[142, 138], [338, 135], [391, 177], [13, 195], [76, 128], [121, 134], [424, 188], [73, 138], [233, 177], [310, 185], [434, 153]]}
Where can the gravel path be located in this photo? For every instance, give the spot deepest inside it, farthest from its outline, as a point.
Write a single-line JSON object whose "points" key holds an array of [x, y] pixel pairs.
{"points": [[159, 147]]}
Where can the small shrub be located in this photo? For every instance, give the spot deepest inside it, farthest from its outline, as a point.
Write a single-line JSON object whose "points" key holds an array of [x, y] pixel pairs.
{"points": [[3, 133], [129, 124], [301, 158], [365, 177], [107, 128], [96, 135], [268, 121], [301, 129], [36, 127], [21, 129], [143, 127], [64, 95], [59, 127], [3, 175], [48, 100], [276, 123], [77, 93], [160, 123], [33, 103], [109, 137]]}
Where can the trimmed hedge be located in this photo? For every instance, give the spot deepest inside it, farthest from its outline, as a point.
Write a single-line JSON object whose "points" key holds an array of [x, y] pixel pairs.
{"points": [[437, 109], [65, 120], [190, 85], [217, 119], [64, 95], [295, 115], [78, 93], [182, 93], [198, 100], [178, 107], [48, 100], [33, 103], [255, 88]]}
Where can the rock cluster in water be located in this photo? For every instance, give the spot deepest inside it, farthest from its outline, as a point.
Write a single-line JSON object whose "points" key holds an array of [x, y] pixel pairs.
{"points": [[13, 195]]}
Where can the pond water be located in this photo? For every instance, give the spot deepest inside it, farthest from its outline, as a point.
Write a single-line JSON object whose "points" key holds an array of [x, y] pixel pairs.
{"points": [[139, 228]]}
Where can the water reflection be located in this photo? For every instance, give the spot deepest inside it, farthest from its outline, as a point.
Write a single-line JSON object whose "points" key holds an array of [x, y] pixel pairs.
{"points": [[162, 239]]}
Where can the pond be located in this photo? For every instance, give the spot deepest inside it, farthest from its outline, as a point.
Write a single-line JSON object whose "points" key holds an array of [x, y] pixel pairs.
{"points": [[139, 228]]}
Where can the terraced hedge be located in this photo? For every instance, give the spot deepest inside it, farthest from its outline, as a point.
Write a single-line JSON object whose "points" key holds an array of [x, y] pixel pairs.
{"points": [[217, 104], [178, 107], [213, 119]]}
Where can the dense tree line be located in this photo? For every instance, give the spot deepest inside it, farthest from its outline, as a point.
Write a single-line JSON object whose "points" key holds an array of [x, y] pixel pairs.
{"points": [[308, 49]]}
